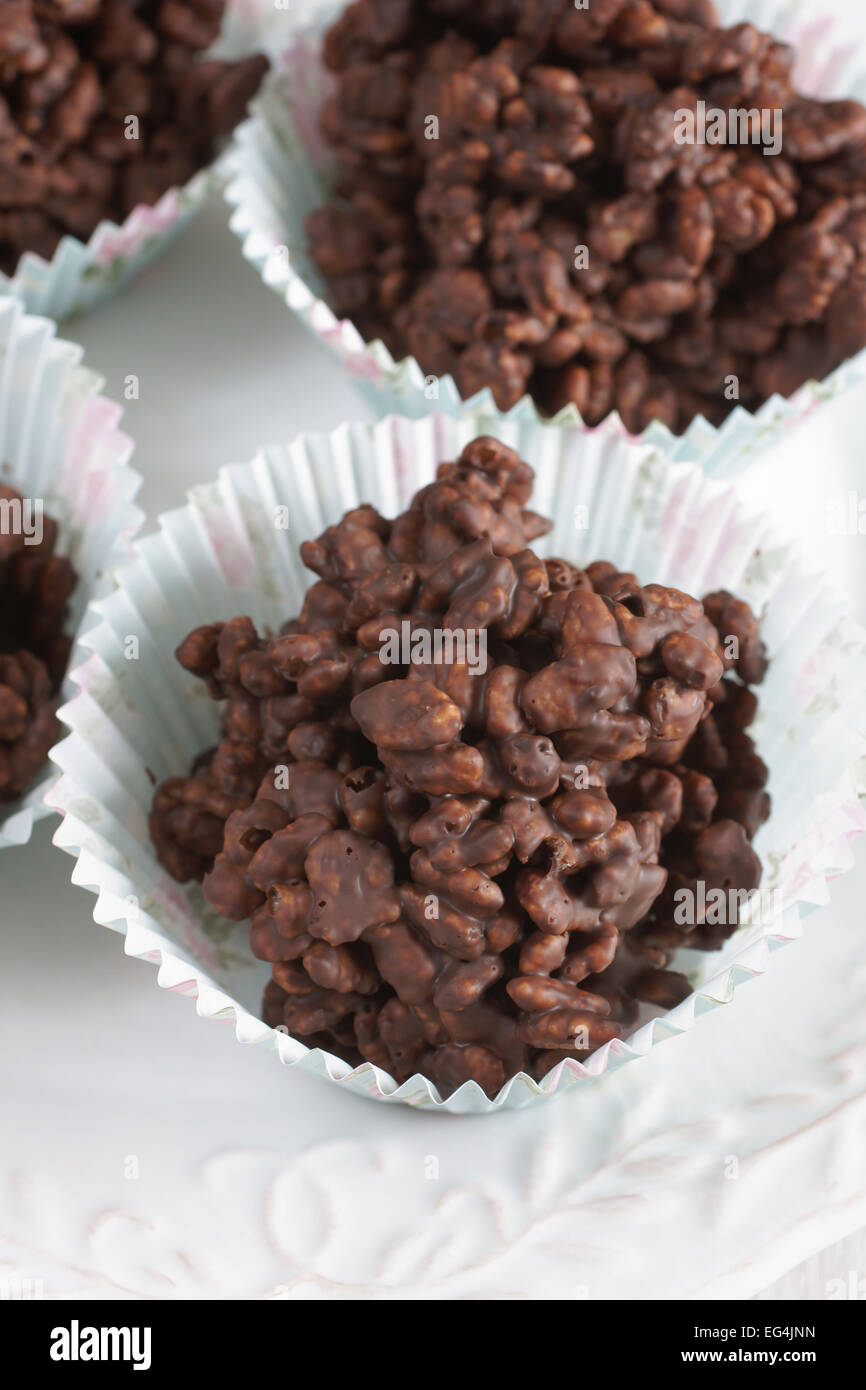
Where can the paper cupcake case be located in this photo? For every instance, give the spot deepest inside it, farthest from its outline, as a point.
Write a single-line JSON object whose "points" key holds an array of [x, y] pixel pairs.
{"points": [[81, 275], [280, 169], [134, 722], [60, 442]]}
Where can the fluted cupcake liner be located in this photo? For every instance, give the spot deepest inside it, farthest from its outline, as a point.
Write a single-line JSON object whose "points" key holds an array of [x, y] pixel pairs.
{"points": [[81, 275], [134, 722], [60, 443], [280, 169]]}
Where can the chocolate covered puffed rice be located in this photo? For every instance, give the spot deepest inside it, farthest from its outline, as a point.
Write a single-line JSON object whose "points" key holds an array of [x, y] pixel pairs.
{"points": [[106, 104], [462, 858], [622, 206], [35, 587]]}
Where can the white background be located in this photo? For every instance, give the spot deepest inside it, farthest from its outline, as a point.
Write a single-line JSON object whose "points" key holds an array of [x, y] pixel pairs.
{"points": [[146, 1153]]}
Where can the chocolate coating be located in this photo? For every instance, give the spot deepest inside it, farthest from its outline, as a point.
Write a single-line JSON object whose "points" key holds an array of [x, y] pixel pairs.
{"points": [[35, 587]]}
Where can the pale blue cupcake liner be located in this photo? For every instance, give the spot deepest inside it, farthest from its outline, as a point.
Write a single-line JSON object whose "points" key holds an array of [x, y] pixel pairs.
{"points": [[60, 442], [133, 723]]}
